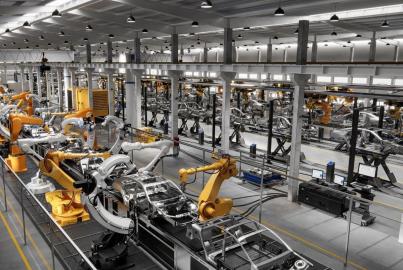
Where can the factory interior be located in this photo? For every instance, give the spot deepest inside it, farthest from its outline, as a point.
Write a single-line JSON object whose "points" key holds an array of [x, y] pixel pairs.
{"points": [[201, 134]]}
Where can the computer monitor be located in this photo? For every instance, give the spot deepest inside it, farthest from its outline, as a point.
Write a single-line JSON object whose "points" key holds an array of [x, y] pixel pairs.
{"points": [[318, 174], [338, 179], [367, 170]]}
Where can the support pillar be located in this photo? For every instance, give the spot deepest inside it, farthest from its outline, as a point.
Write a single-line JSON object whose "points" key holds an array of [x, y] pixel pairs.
{"points": [[39, 82], [110, 88], [48, 90], [351, 54], [129, 87], [285, 55], [31, 79], [372, 48], [74, 85], [90, 89], [88, 51], [228, 57], [205, 53], [174, 46], [137, 49], [67, 86], [314, 52], [23, 84], [396, 53], [174, 75], [300, 81], [109, 51], [136, 120], [60, 87], [269, 53], [52, 85], [226, 78], [4, 75]]}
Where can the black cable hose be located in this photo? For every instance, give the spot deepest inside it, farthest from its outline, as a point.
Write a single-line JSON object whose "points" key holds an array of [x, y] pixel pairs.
{"points": [[251, 209]]}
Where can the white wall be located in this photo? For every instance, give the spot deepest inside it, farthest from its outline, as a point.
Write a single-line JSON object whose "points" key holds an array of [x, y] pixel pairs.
{"points": [[18, 56]]}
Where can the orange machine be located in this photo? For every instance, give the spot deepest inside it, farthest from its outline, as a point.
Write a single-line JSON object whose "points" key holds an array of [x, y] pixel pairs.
{"points": [[24, 99], [16, 159]]}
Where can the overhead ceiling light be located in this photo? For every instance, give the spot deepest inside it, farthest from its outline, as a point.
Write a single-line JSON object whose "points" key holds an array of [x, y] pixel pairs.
{"points": [[334, 18], [41, 37], [333, 33], [358, 35], [165, 41], [246, 28], [26, 24], [154, 38], [4, 45], [56, 13], [61, 34], [221, 44], [144, 31], [191, 34], [7, 31], [26, 40], [195, 24], [387, 44], [385, 24], [326, 45], [279, 12], [275, 37], [85, 39], [256, 42], [13, 42], [49, 44], [66, 42], [88, 28], [206, 4], [240, 36], [37, 46], [296, 31], [111, 35], [349, 41], [131, 19]]}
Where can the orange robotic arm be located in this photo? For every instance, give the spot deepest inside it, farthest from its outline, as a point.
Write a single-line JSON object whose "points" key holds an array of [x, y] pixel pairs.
{"points": [[80, 114], [17, 121], [210, 205]]}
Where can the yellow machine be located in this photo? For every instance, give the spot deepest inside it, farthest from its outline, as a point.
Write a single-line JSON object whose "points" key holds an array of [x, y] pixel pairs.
{"points": [[209, 204], [147, 135], [100, 100], [24, 102], [66, 204], [324, 105], [16, 159]]}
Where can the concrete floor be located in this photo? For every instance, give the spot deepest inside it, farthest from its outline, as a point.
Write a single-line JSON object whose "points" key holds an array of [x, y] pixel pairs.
{"points": [[36, 254]]}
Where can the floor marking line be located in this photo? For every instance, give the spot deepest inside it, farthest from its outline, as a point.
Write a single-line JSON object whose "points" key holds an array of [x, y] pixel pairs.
{"points": [[30, 239], [15, 242]]}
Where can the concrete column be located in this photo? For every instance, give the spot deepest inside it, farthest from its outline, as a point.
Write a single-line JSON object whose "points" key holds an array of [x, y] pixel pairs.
{"points": [[137, 49], [59, 76], [129, 87], [351, 54], [181, 52], [372, 48], [217, 56], [205, 53], [52, 84], [396, 53], [88, 51], [174, 46], [4, 75], [109, 51], [235, 55], [259, 56], [48, 87], [300, 81], [67, 86], [89, 72], [39, 81], [23, 84], [73, 86], [174, 75], [110, 88], [228, 52], [226, 78], [314, 52], [269, 52], [136, 120], [285, 55], [31, 79]]}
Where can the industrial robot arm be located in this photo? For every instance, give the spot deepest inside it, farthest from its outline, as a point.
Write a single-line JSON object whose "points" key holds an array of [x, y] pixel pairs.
{"points": [[210, 205], [164, 146], [17, 121], [26, 143], [120, 125]]}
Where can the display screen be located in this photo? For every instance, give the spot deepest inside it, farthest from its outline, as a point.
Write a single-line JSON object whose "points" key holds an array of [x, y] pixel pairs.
{"points": [[338, 179], [317, 174], [367, 170]]}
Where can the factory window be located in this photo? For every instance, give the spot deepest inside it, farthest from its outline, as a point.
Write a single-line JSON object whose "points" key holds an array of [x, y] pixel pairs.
{"points": [[196, 74], [253, 76], [325, 79], [358, 80], [263, 76], [399, 82], [277, 77], [288, 77], [383, 81], [153, 72], [188, 74], [243, 76], [212, 74], [341, 79]]}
